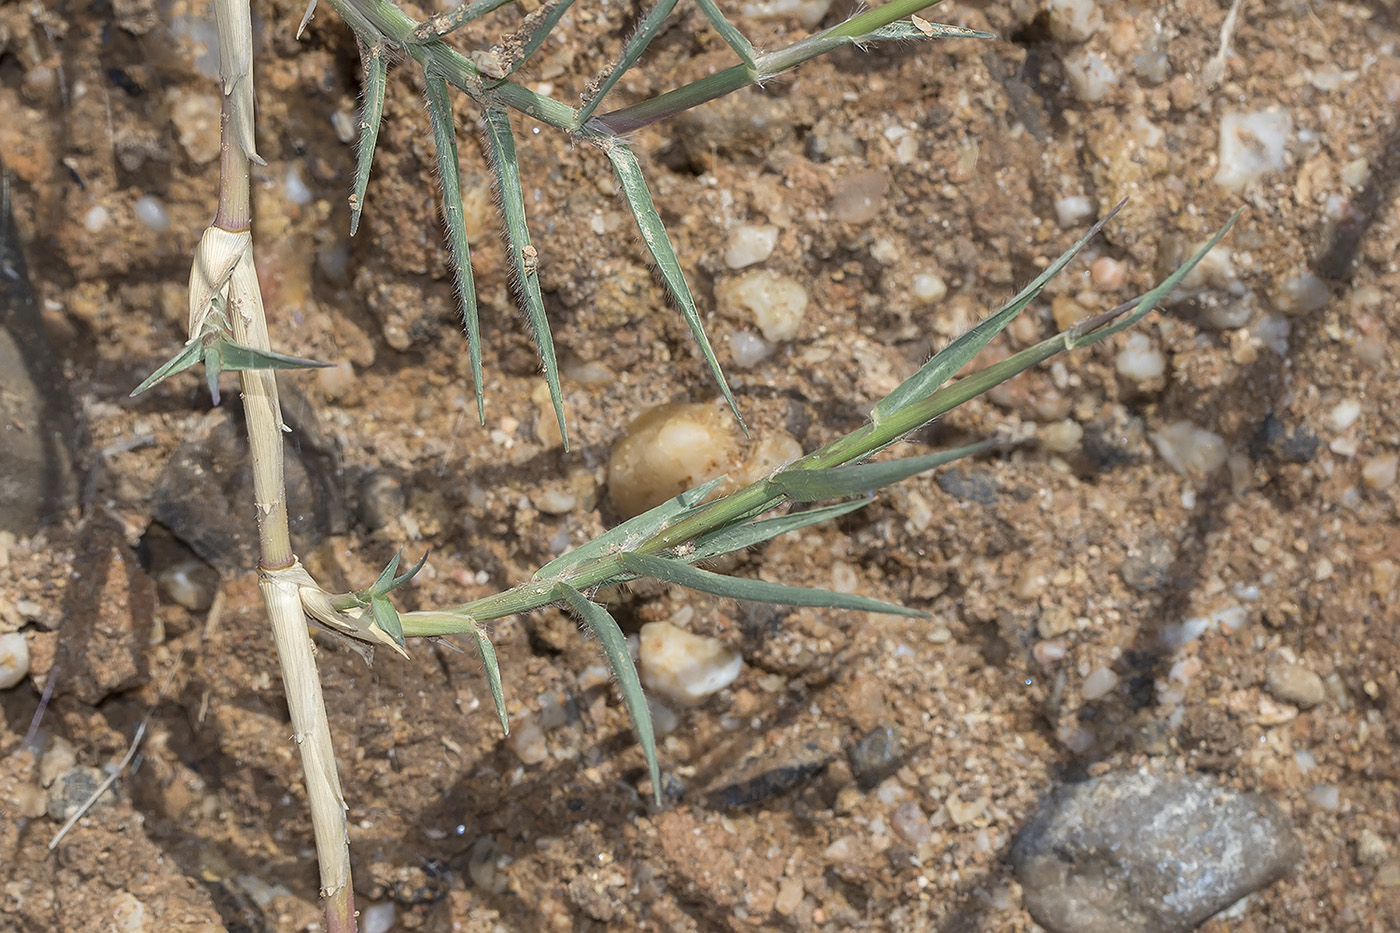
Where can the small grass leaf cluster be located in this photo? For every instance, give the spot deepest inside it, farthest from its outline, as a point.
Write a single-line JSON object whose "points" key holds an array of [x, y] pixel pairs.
{"points": [[485, 77], [666, 542]]}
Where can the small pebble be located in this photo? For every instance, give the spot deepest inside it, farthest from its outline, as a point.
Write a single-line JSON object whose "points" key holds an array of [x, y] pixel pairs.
{"points": [[776, 303], [747, 349], [749, 245], [1091, 78], [1099, 684], [963, 812], [1140, 360], [378, 918], [860, 197], [876, 756], [666, 451], [343, 122], [1073, 20], [295, 187], [789, 897], [1062, 436], [683, 667], [1296, 684], [927, 288], [191, 583], [1252, 145], [1379, 472], [152, 214], [1371, 849], [910, 824], [1108, 274], [1073, 211], [1325, 797], [1344, 414], [127, 913], [196, 119], [96, 218], [1190, 450], [1301, 294], [527, 740], [14, 659]]}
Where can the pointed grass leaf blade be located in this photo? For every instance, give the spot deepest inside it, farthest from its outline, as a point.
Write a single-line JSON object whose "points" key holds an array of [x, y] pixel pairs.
{"points": [[409, 574], [636, 529], [190, 354], [493, 675], [545, 19], [440, 25], [760, 591], [237, 357], [375, 68], [653, 231], [604, 627], [864, 478], [636, 44], [500, 144], [387, 618], [727, 31], [449, 177], [751, 533], [946, 363], [385, 581]]}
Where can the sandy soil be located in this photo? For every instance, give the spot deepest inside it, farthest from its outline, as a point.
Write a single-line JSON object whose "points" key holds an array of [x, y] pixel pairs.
{"points": [[1041, 569]]}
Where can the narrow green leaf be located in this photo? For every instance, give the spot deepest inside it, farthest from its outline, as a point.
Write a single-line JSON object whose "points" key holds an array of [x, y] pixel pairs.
{"points": [[188, 355], [748, 534], [761, 591], [1082, 335], [435, 27], [727, 31], [375, 68], [385, 581], [408, 574], [946, 363], [635, 529], [493, 675], [538, 26], [604, 627], [904, 30], [500, 143], [638, 197], [646, 31], [449, 177], [803, 485], [237, 357], [387, 618]]}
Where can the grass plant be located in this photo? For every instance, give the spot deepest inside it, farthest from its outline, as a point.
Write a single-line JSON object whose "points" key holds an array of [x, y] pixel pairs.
{"points": [[228, 330]]}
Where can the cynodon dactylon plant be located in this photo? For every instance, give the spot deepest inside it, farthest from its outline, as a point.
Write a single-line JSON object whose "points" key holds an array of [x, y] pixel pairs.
{"points": [[228, 330]]}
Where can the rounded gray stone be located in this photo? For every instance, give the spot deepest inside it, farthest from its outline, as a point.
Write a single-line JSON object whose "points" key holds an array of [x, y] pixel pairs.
{"points": [[1141, 853]]}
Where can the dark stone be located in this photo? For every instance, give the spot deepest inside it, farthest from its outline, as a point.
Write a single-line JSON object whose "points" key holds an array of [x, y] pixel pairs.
{"points": [[37, 428], [978, 486], [1274, 441], [1140, 853], [757, 779], [205, 493], [876, 756]]}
